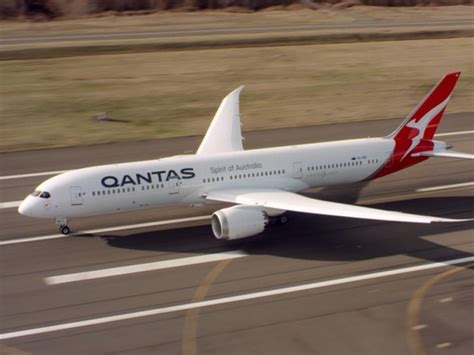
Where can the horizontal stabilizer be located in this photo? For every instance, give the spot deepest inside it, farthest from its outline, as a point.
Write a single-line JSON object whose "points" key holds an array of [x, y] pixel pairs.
{"points": [[289, 201], [445, 154]]}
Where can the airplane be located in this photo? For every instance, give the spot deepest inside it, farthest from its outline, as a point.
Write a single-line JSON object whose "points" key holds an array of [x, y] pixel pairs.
{"points": [[262, 184]]}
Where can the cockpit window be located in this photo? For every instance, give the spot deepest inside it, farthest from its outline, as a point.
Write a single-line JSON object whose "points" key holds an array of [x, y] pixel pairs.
{"points": [[41, 194], [45, 194]]}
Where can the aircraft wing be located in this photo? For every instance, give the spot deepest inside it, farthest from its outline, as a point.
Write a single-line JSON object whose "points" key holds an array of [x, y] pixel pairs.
{"points": [[224, 133], [289, 201]]}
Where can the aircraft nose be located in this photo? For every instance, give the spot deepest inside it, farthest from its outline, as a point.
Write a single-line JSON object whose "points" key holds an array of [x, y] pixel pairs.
{"points": [[25, 208]]}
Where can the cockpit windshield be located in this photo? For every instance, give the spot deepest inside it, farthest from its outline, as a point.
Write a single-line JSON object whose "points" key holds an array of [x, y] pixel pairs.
{"points": [[41, 194]]}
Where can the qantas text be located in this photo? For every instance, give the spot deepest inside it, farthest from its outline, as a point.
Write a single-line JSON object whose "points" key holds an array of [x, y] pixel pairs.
{"points": [[147, 178]]}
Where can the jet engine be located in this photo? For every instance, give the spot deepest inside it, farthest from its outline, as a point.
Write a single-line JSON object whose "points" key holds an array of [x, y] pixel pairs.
{"points": [[238, 222]]}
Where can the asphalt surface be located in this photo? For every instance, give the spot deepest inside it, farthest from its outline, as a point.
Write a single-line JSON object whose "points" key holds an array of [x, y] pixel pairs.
{"points": [[419, 312], [262, 29]]}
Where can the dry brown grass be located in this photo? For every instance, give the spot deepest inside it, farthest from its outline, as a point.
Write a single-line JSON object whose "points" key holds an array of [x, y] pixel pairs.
{"points": [[50, 102]]}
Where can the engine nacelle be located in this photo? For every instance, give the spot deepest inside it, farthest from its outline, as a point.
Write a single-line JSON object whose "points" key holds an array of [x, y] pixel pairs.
{"points": [[238, 222]]}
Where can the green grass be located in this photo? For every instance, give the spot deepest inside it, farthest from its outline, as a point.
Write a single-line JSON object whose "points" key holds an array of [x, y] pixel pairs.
{"points": [[50, 102]]}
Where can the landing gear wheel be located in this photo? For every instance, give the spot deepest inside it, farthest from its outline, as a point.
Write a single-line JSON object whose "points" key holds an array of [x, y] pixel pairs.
{"points": [[64, 230], [282, 219]]}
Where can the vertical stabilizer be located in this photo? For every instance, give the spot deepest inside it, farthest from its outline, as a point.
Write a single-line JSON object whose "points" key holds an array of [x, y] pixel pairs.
{"points": [[423, 121], [415, 134], [224, 133]]}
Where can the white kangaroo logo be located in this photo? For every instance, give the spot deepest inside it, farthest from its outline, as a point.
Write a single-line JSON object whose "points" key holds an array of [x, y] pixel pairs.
{"points": [[421, 125]]}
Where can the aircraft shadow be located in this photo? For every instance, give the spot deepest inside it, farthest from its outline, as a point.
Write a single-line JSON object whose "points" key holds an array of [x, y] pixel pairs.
{"points": [[315, 237]]}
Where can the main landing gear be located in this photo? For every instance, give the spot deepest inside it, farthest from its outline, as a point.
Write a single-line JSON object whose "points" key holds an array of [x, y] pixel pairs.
{"points": [[278, 220], [63, 227]]}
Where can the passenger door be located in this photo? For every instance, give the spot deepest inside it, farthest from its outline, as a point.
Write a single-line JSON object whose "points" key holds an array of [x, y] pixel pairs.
{"points": [[173, 186], [76, 195], [298, 170]]}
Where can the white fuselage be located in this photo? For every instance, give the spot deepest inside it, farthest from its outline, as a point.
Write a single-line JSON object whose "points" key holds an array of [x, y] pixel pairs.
{"points": [[185, 180]]}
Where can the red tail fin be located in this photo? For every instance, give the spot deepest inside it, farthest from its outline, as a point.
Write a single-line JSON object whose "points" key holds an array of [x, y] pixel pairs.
{"points": [[424, 119], [417, 131]]}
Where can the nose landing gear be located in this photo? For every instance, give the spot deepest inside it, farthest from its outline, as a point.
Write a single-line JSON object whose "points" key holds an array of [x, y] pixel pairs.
{"points": [[63, 227]]}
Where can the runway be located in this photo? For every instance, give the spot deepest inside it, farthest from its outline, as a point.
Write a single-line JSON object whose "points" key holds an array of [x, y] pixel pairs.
{"points": [[133, 283]]}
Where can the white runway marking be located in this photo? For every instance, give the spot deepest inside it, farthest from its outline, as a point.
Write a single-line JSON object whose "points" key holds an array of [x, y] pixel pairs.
{"points": [[23, 176], [231, 299], [107, 230], [445, 187], [45, 173], [10, 204], [453, 133], [131, 269]]}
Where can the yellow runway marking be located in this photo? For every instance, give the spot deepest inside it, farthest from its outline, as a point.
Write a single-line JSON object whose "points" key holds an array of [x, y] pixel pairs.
{"points": [[415, 342], [189, 346]]}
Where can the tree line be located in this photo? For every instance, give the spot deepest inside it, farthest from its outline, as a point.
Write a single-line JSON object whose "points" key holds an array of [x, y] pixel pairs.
{"points": [[50, 9]]}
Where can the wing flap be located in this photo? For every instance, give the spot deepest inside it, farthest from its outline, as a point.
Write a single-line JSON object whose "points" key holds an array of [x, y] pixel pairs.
{"points": [[288, 201]]}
